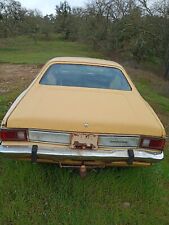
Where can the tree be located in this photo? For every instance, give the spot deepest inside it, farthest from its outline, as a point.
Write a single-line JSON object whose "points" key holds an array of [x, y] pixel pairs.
{"points": [[63, 19], [11, 17]]}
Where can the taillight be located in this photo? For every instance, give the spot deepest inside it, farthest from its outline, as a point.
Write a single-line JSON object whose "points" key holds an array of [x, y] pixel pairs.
{"points": [[13, 134], [153, 143]]}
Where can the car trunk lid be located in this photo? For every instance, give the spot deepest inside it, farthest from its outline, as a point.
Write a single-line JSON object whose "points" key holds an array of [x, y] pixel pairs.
{"points": [[84, 110]]}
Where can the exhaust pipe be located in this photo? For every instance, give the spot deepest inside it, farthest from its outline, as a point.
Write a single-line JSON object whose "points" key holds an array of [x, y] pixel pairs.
{"points": [[83, 171]]}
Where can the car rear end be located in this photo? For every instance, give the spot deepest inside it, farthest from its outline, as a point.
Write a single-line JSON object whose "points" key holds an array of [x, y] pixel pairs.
{"points": [[76, 113], [76, 149]]}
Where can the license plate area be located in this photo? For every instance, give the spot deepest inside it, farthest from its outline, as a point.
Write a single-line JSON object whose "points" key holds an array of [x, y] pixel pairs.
{"points": [[84, 141]]}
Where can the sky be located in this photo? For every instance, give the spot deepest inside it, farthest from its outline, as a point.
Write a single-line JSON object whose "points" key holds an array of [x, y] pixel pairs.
{"points": [[48, 6]]}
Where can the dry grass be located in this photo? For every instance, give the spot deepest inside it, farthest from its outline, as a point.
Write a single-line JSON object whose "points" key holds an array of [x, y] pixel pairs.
{"points": [[155, 81], [14, 77]]}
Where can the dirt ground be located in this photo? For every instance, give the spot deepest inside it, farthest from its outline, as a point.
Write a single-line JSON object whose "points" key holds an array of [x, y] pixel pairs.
{"points": [[14, 76]]}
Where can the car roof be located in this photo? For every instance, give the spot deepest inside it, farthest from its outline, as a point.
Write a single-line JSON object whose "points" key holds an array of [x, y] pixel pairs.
{"points": [[85, 60]]}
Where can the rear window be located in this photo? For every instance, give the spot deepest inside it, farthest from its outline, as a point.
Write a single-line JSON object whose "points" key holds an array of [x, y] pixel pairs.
{"points": [[85, 76]]}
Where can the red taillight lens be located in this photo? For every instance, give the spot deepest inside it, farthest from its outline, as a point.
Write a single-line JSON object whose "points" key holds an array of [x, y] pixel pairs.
{"points": [[153, 143], [13, 134]]}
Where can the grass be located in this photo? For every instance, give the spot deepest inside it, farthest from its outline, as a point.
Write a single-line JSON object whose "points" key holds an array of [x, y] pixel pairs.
{"points": [[6, 100], [44, 194], [26, 50], [153, 97]]}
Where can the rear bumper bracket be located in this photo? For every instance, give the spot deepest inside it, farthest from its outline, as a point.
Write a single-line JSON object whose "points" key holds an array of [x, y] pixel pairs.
{"points": [[34, 154], [130, 156]]}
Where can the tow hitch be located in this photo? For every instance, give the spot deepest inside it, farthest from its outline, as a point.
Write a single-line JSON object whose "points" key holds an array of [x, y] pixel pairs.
{"points": [[83, 171]]}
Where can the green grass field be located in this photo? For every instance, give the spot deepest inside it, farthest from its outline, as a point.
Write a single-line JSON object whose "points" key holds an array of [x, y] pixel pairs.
{"points": [[44, 194], [25, 50]]}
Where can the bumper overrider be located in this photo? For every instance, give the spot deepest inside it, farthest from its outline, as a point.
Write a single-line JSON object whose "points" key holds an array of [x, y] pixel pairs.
{"points": [[59, 155]]}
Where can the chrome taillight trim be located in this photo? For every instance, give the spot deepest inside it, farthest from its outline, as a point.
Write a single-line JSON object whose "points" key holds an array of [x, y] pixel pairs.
{"points": [[55, 137], [49, 137], [118, 141]]}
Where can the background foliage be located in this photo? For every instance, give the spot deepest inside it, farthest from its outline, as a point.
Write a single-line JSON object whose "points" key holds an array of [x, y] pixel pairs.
{"points": [[44, 194], [134, 29]]}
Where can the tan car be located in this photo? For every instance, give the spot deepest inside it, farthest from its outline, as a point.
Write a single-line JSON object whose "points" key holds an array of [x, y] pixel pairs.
{"points": [[82, 112]]}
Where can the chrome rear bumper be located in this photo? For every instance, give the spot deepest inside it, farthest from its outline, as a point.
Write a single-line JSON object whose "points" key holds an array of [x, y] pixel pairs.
{"points": [[57, 154]]}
